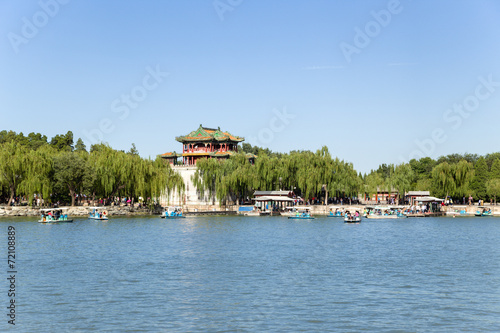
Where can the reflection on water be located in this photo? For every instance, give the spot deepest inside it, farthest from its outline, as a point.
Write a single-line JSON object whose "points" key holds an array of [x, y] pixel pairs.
{"points": [[258, 274]]}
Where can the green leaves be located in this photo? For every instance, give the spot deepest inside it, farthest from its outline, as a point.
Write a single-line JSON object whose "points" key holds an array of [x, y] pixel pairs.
{"points": [[453, 179], [103, 172], [303, 172]]}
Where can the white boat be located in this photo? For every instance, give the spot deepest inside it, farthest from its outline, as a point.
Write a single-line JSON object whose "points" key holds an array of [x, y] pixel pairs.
{"points": [[352, 219], [98, 213], [54, 215], [172, 212], [385, 213]]}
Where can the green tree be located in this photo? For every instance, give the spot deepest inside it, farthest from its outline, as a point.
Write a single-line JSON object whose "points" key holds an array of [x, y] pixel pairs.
{"points": [[403, 178], [463, 173], [12, 166], [63, 142], [80, 146], [495, 168], [423, 172], [36, 140], [69, 172], [133, 150], [38, 171], [493, 188], [478, 183], [373, 182], [443, 176]]}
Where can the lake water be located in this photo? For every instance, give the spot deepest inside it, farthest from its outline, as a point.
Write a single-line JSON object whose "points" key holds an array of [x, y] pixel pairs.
{"points": [[251, 274]]}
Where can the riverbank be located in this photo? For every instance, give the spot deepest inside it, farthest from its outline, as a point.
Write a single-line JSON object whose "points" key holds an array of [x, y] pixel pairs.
{"points": [[6, 211]]}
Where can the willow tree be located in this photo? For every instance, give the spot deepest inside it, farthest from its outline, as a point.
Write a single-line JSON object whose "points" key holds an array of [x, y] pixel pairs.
{"points": [[118, 173], [113, 169], [443, 176], [373, 181], [478, 182], [238, 179], [38, 171], [161, 178], [224, 179], [463, 173], [352, 181], [453, 179], [12, 166], [403, 178]]}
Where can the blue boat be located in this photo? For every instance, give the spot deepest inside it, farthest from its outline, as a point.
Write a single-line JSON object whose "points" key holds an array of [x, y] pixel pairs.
{"points": [[483, 211], [172, 213], [335, 213], [54, 215], [303, 214], [98, 213]]}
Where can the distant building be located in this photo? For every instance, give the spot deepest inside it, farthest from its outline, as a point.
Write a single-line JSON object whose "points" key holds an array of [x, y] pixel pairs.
{"points": [[413, 196], [204, 143], [201, 143]]}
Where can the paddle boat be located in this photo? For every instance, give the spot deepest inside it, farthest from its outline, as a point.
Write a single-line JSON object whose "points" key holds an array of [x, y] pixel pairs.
{"points": [[54, 215], [385, 213], [292, 211], [336, 212], [352, 218], [302, 214], [172, 213], [458, 212], [367, 210], [98, 213], [289, 211], [483, 211]]}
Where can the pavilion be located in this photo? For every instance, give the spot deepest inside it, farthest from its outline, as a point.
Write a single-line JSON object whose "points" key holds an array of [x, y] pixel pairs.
{"points": [[204, 143]]}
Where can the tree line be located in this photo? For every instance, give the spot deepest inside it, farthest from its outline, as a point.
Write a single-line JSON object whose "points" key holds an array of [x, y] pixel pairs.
{"points": [[58, 170], [455, 176], [313, 175], [305, 173]]}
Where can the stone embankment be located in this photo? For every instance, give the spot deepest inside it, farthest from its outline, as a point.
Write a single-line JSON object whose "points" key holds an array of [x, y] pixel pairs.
{"points": [[6, 211]]}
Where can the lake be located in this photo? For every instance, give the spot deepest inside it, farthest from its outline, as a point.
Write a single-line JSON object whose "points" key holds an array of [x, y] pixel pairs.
{"points": [[255, 274]]}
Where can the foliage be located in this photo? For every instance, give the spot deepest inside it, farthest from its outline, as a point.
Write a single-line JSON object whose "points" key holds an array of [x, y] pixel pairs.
{"points": [[307, 174], [63, 142], [493, 188], [80, 146], [453, 179], [402, 178], [478, 183], [30, 166]]}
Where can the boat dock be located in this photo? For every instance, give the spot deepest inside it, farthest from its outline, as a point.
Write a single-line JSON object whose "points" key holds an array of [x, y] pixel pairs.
{"points": [[211, 212], [433, 214]]}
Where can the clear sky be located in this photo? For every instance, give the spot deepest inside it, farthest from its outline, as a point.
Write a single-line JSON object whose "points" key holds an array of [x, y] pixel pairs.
{"points": [[375, 81]]}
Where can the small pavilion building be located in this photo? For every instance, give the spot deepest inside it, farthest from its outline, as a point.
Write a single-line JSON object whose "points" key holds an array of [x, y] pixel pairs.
{"points": [[206, 143], [201, 143]]}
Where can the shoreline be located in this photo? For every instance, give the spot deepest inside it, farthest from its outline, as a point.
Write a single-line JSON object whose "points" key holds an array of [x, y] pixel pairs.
{"points": [[319, 210]]}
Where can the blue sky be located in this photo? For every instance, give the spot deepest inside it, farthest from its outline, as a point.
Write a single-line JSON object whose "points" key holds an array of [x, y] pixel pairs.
{"points": [[375, 81]]}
